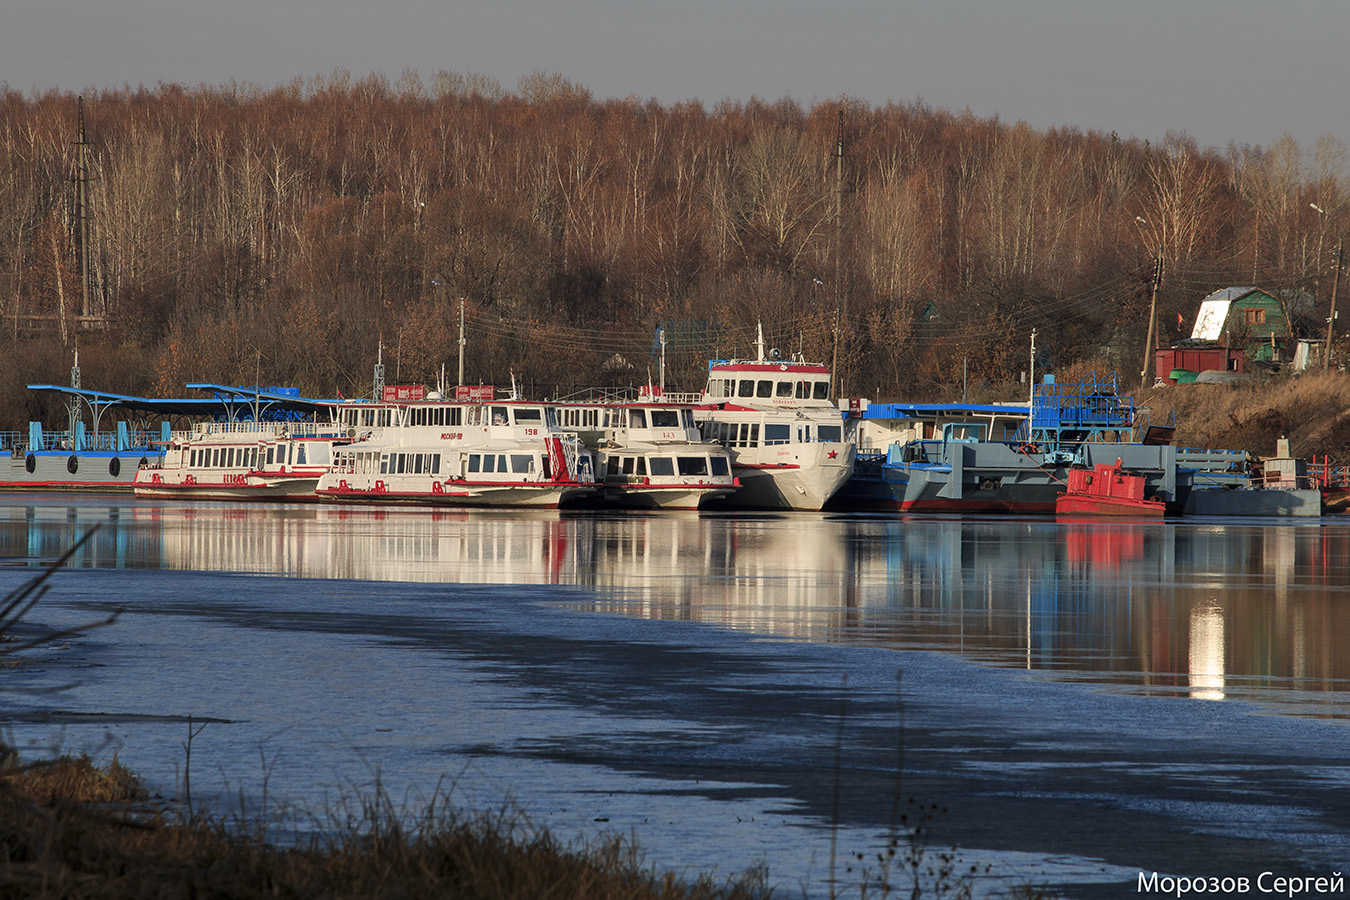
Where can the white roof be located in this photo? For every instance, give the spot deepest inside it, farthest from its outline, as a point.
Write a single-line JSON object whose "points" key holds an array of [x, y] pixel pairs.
{"points": [[1214, 312]]}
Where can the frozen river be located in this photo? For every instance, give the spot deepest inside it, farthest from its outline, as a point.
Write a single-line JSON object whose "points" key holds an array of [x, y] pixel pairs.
{"points": [[1083, 702]]}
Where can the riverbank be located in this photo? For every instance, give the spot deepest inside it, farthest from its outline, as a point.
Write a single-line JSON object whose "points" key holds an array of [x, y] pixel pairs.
{"points": [[1312, 410], [73, 829]]}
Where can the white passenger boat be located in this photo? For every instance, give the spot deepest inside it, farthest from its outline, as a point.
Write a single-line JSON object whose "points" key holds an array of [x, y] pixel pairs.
{"points": [[457, 453], [650, 454], [785, 436], [243, 461]]}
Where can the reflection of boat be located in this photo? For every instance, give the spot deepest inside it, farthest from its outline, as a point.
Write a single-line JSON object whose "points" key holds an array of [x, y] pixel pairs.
{"points": [[649, 454], [1106, 490], [785, 437], [486, 453]]}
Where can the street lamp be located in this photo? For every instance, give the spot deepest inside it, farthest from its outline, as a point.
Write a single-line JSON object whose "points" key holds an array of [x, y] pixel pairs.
{"points": [[1335, 280]]}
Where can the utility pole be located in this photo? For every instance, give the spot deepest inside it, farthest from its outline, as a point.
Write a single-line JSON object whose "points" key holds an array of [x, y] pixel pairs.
{"points": [[82, 213], [1031, 380], [1149, 344], [461, 341], [838, 244], [1331, 316]]}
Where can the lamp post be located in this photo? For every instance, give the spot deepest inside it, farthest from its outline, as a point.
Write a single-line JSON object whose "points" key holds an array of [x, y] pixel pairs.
{"points": [[1335, 281]]}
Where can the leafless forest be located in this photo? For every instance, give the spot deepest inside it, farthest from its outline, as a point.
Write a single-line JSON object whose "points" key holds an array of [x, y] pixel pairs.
{"points": [[242, 233]]}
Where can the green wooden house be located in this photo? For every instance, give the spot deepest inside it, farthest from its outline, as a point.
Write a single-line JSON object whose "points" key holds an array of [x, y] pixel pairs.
{"points": [[1244, 317]]}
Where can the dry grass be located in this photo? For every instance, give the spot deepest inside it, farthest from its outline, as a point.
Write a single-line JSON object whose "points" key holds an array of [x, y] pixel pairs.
{"points": [[69, 829], [1312, 410]]}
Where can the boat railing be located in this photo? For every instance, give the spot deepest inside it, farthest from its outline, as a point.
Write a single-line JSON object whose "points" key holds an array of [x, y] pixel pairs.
{"points": [[1326, 475], [279, 429], [17, 442], [1275, 478]]}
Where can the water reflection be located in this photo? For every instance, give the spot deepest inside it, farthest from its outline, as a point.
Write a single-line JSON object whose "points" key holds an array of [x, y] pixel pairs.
{"points": [[1239, 610]]}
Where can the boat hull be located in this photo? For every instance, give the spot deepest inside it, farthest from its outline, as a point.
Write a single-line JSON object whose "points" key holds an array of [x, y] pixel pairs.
{"points": [[249, 488], [654, 497], [1254, 502], [535, 495], [82, 471], [1080, 505]]}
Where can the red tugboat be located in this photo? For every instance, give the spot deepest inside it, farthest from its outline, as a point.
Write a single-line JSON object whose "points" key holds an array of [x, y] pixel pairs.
{"points": [[1107, 490]]}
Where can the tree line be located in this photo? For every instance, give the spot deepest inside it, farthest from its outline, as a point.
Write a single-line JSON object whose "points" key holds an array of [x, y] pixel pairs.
{"points": [[300, 233]]}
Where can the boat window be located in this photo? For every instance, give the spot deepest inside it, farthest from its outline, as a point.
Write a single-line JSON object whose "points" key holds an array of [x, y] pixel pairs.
{"points": [[192, 459], [384, 465], [499, 415], [637, 418], [777, 434], [764, 389], [528, 415], [229, 458], [692, 465], [489, 462], [455, 416], [435, 464], [687, 415], [473, 462], [830, 434], [784, 389], [662, 465], [719, 466], [746, 389], [271, 454], [665, 418], [415, 464], [803, 390], [642, 466], [522, 463], [300, 455], [628, 465], [754, 436], [821, 391], [501, 462]]}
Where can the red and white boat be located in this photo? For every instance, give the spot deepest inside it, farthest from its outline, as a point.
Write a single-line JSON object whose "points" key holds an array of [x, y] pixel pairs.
{"points": [[279, 461], [784, 434], [649, 454], [472, 451], [1106, 490]]}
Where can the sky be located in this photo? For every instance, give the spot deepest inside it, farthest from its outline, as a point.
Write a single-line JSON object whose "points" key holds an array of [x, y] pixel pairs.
{"points": [[1221, 71]]}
